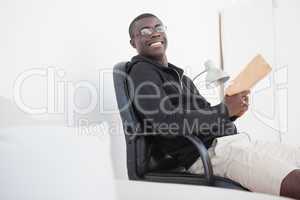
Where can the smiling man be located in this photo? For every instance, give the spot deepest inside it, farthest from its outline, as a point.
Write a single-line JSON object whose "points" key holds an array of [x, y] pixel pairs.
{"points": [[167, 101], [153, 47]]}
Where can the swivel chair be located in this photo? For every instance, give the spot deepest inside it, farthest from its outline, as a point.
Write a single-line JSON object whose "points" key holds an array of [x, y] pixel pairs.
{"points": [[138, 146]]}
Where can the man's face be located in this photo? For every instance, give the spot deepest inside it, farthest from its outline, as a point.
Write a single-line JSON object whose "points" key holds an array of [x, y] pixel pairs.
{"points": [[152, 45]]}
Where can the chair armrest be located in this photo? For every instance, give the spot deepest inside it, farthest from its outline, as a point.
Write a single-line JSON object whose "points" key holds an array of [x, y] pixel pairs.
{"points": [[208, 170]]}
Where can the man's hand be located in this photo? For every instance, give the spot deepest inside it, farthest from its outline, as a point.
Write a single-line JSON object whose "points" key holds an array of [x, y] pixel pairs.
{"points": [[237, 104]]}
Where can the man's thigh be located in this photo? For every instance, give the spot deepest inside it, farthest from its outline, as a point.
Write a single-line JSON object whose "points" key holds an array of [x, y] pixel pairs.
{"points": [[286, 152], [251, 164]]}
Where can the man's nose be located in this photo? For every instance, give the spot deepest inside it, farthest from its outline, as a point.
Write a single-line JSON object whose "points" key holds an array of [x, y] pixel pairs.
{"points": [[155, 35]]}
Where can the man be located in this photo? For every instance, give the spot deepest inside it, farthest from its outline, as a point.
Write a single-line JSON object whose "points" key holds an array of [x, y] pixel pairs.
{"points": [[167, 101]]}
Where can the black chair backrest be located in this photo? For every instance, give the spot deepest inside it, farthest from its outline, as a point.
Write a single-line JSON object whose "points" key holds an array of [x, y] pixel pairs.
{"points": [[136, 147], [120, 75]]}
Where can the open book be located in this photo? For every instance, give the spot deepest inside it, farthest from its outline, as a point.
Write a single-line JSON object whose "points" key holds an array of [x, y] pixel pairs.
{"points": [[254, 71]]}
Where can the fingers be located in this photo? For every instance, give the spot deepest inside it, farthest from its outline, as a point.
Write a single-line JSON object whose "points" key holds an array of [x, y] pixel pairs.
{"points": [[245, 100], [245, 93], [237, 103], [244, 97], [245, 107], [243, 110]]}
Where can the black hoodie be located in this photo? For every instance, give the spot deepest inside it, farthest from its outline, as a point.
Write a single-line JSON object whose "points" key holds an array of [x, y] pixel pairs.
{"points": [[168, 102]]}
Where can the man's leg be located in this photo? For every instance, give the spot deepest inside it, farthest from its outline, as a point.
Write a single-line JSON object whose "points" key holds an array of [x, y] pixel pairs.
{"points": [[256, 166], [290, 186], [289, 153]]}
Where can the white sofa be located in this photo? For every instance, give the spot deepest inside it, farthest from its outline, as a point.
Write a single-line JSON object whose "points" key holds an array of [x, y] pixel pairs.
{"points": [[59, 163]]}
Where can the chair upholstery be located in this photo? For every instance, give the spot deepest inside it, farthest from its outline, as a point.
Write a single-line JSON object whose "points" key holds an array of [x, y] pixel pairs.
{"points": [[137, 146]]}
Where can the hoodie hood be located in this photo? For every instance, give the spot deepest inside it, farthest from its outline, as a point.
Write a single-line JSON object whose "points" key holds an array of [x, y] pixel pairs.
{"points": [[139, 58]]}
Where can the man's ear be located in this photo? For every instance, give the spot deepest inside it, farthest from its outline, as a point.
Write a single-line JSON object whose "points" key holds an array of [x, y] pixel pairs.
{"points": [[132, 43]]}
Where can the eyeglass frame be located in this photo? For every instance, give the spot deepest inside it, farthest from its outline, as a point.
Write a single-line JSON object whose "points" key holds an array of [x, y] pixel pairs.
{"points": [[152, 30]]}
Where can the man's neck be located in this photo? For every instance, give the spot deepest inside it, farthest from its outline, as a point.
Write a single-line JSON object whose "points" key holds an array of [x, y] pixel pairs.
{"points": [[161, 60], [164, 60]]}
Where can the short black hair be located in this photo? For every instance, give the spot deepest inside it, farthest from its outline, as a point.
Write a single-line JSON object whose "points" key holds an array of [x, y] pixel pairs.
{"points": [[141, 16]]}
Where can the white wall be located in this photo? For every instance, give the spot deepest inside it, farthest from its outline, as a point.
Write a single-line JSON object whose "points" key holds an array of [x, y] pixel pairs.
{"points": [[269, 28], [248, 30], [82, 38], [288, 43]]}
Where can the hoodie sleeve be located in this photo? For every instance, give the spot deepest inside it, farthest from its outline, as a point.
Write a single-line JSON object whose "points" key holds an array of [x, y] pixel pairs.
{"points": [[155, 107]]}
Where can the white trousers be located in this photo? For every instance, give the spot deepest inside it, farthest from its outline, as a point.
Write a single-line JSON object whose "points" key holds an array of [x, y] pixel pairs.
{"points": [[259, 166]]}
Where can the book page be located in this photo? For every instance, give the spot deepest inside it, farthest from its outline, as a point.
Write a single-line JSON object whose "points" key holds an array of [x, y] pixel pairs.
{"points": [[254, 71]]}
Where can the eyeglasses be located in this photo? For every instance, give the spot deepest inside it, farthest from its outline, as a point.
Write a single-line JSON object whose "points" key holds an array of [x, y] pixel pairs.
{"points": [[149, 31]]}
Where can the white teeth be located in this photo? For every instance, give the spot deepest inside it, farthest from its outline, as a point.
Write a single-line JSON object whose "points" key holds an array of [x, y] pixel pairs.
{"points": [[156, 44]]}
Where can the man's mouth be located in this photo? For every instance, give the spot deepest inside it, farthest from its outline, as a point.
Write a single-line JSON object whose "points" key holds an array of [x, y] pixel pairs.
{"points": [[156, 44]]}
